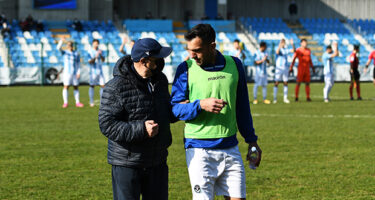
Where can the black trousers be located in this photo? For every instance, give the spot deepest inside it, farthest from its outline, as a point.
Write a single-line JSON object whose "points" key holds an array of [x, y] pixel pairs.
{"points": [[131, 183]]}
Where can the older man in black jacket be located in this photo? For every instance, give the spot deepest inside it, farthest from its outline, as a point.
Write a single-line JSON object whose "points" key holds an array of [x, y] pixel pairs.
{"points": [[135, 115]]}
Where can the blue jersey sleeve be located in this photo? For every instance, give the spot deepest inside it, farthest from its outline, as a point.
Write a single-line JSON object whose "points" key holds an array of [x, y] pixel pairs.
{"points": [[257, 57], [180, 93], [243, 113]]}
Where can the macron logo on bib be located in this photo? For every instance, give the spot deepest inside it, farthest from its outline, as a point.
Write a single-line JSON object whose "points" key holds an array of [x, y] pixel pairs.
{"points": [[216, 78]]}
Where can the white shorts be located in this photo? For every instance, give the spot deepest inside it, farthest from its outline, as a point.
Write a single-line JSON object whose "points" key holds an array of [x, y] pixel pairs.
{"points": [[281, 75], [216, 171], [97, 79], [70, 79], [329, 80], [261, 80]]}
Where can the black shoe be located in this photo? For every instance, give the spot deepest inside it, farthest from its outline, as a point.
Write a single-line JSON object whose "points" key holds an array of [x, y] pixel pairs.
{"points": [[308, 99], [359, 98], [296, 99], [351, 98]]}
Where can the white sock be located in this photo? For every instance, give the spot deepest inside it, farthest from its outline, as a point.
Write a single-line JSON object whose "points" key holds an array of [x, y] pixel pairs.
{"points": [[264, 90], [285, 91], [91, 94], [65, 95], [275, 88], [325, 91], [76, 95]]}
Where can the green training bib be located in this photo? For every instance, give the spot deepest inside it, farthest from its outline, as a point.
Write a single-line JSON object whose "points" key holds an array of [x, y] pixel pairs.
{"points": [[221, 85]]}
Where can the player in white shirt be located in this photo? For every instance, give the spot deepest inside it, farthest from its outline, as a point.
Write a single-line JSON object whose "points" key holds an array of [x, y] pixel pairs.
{"points": [[237, 51], [261, 61], [96, 59], [71, 71], [282, 68], [329, 78], [124, 48]]}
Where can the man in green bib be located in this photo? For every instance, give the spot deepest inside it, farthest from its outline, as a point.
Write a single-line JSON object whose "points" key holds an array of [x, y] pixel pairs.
{"points": [[210, 93]]}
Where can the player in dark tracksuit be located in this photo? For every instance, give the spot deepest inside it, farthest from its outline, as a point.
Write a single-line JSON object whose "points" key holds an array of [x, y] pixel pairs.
{"points": [[354, 73]]}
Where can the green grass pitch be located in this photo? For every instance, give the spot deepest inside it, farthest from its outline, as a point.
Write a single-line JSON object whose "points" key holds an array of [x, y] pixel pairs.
{"points": [[310, 150]]}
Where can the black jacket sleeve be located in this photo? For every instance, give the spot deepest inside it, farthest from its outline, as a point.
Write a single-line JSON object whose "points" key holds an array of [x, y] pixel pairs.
{"points": [[112, 119]]}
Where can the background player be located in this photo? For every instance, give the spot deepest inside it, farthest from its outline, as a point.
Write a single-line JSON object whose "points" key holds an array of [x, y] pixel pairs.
{"points": [[261, 61], [329, 78], [96, 72], [126, 49], [282, 70], [71, 72], [354, 73], [371, 57], [237, 50], [304, 63]]}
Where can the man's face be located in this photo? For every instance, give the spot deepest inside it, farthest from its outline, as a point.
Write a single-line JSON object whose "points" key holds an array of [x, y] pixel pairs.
{"points": [[202, 53], [263, 48], [236, 45], [329, 50], [95, 45], [70, 46], [304, 44], [150, 64], [282, 43]]}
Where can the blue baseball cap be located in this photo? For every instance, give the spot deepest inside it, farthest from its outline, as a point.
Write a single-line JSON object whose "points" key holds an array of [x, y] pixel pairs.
{"points": [[148, 47]]}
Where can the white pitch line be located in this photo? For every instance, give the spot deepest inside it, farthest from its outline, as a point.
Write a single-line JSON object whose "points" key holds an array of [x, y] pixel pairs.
{"points": [[313, 116]]}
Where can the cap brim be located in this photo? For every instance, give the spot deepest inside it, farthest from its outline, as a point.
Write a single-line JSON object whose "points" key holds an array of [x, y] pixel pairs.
{"points": [[164, 52]]}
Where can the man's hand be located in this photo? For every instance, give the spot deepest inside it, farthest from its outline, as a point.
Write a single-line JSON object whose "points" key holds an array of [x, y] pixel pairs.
{"points": [[259, 158], [351, 71], [212, 105], [152, 128], [98, 53], [291, 41], [78, 76], [290, 69], [184, 102], [264, 58], [334, 45], [365, 70]]}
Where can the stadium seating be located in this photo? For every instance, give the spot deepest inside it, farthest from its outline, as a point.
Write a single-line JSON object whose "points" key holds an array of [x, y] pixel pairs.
{"points": [[324, 31], [366, 27], [269, 30], [25, 47], [106, 33], [160, 30]]}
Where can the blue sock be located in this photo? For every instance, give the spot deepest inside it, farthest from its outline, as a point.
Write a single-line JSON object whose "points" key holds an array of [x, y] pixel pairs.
{"points": [[275, 92], [264, 92], [255, 91]]}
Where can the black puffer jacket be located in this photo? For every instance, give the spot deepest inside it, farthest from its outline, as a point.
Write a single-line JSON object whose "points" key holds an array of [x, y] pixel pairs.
{"points": [[125, 106]]}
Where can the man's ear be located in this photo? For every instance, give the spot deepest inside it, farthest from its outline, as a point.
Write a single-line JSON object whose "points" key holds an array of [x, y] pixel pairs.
{"points": [[213, 46]]}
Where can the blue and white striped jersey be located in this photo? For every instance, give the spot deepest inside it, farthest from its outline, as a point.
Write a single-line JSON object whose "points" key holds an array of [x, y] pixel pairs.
{"points": [[260, 69], [71, 62], [96, 67], [282, 58]]}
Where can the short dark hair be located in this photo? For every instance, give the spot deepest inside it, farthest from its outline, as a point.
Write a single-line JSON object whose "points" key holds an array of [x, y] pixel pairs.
{"points": [[356, 47], [303, 40], [204, 31], [263, 44], [237, 40], [329, 47], [95, 40]]}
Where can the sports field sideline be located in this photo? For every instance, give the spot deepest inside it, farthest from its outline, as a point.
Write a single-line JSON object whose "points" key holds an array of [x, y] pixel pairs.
{"points": [[311, 150]]}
